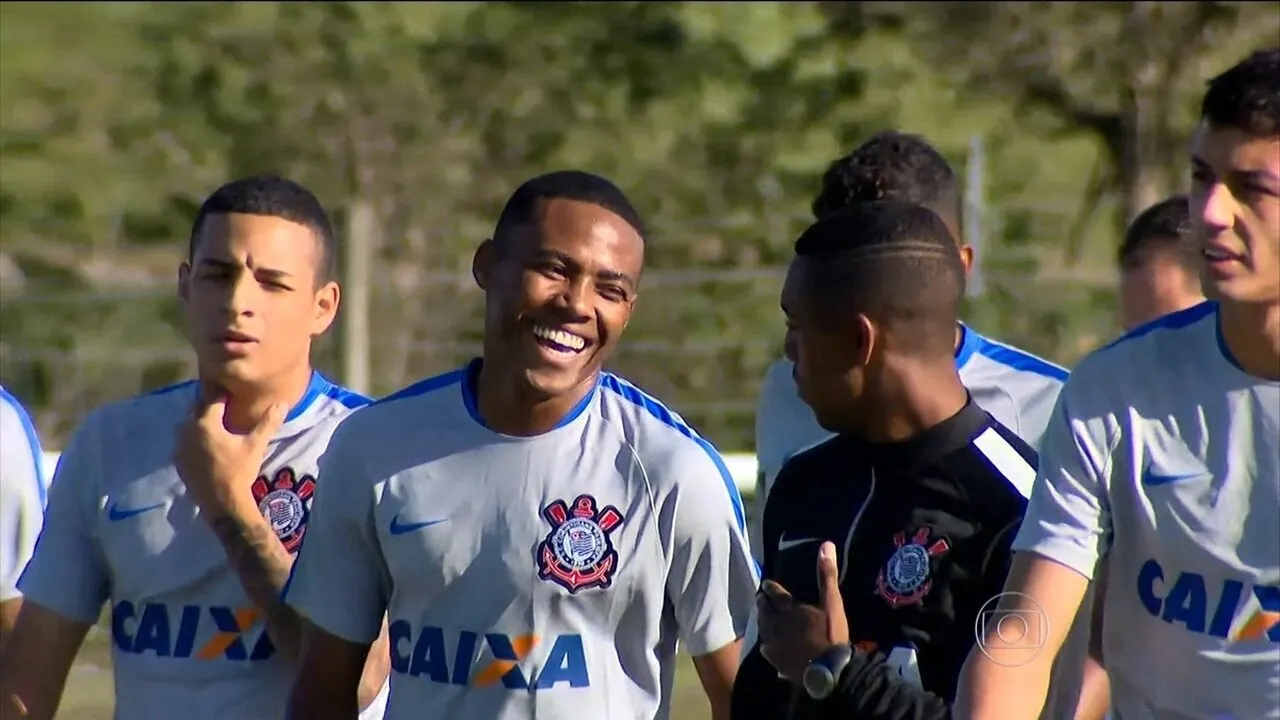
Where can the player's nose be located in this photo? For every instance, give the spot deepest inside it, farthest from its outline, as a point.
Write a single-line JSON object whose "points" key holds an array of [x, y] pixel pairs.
{"points": [[1219, 210], [242, 296]]}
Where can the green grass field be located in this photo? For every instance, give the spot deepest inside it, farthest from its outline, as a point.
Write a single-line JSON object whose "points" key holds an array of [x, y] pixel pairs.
{"points": [[90, 695]]}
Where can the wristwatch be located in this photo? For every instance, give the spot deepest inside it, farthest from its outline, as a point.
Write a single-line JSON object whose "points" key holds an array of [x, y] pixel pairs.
{"points": [[822, 674]]}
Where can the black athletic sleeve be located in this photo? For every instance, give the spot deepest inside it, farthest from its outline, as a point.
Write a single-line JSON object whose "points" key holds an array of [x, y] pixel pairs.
{"points": [[871, 689]]}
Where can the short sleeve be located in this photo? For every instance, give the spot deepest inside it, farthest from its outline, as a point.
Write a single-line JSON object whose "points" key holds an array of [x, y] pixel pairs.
{"points": [[712, 578], [22, 493], [339, 580], [1068, 514], [67, 573]]}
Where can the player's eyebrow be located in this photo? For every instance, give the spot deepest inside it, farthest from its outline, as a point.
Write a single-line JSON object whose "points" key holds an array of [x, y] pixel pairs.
{"points": [[603, 274], [271, 273], [1260, 176]]}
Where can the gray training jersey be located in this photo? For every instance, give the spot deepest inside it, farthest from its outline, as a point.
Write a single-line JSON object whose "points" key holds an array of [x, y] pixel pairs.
{"points": [[187, 641], [547, 576], [22, 492], [1163, 456]]}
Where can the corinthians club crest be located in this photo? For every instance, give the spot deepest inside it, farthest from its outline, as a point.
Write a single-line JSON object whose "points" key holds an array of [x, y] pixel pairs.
{"points": [[577, 554], [907, 577], [282, 499]]}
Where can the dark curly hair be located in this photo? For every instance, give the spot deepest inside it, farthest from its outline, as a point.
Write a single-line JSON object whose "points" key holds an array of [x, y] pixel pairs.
{"points": [[1247, 96], [892, 166]]}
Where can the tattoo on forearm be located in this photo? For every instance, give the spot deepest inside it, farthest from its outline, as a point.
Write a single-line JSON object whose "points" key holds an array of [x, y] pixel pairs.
{"points": [[263, 566]]}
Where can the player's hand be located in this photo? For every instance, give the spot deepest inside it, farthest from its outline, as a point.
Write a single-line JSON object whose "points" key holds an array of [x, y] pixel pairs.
{"points": [[792, 634], [218, 466]]}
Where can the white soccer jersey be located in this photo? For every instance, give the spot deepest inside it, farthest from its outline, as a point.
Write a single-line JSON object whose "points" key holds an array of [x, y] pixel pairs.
{"points": [[187, 641], [1165, 457], [546, 576], [22, 492]]}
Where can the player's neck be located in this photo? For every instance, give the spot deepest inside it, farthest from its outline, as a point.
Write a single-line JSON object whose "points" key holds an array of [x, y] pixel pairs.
{"points": [[247, 404], [911, 399], [510, 407], [1251, 333]]}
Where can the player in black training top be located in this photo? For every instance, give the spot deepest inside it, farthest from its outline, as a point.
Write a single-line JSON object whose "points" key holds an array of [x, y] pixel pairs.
{"points": [[921, 491]]}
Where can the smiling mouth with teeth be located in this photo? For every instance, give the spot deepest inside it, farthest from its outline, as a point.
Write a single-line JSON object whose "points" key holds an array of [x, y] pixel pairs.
{"points": [[559, 340]]}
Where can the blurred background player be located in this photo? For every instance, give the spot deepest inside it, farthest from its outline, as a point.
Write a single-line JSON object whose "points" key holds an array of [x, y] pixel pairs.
{"points": [[1164, 458], [1016, 387], [1159, 264], [22, 493], [184, 507], [539, 532]]}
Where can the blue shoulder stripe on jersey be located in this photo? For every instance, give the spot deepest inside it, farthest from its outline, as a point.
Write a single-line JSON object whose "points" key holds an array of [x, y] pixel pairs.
{"points": [[638, 397], [318, 385], [969, 342], [1172, 321], [173, 388], [422, 387], [974, 343], [33, 442], [1012, 357], [349, 399]]}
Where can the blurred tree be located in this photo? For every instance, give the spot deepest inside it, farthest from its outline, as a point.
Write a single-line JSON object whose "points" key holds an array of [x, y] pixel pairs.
{"points": [[1128, 74]]}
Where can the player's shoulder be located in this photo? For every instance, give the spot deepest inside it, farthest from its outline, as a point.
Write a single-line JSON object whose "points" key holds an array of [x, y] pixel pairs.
{"points": [[673, 454], [1004, 467], [330, 399], [13, 412], [162, 406], [1168, 333], [1146, 356], [654, 431], [422, 400], [983, 359], [820, 454]]}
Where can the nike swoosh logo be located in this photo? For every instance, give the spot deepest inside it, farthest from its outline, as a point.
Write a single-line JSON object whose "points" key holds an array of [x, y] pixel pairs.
{"points": [[785, 544], [398, 529], [1151, 478], [115, 514]]}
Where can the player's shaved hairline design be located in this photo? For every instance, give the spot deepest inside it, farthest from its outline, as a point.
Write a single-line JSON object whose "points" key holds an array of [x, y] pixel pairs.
{"points": [[893, 260]]}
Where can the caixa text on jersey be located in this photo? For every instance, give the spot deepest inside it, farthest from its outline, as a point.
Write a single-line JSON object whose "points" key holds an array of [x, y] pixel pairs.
{"points": [[1230, 609], [464, 657], [190, 631]]}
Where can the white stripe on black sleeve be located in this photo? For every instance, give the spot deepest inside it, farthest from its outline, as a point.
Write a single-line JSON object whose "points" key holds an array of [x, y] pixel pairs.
{"points": [[1006, 460]]}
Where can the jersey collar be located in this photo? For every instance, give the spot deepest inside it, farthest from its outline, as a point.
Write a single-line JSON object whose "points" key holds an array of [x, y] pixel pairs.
{"points": [[472, 375], [316, 387], [946, 437]]}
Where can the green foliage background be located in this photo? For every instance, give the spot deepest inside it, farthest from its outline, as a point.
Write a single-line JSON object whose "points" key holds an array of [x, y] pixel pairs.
{"points": [[116, 119]]}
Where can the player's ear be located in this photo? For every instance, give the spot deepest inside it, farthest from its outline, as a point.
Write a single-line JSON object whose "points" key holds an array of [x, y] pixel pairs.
{"points": [[326, 307], [184, 282], [867, 341], [966, 258], [483, 262]]}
